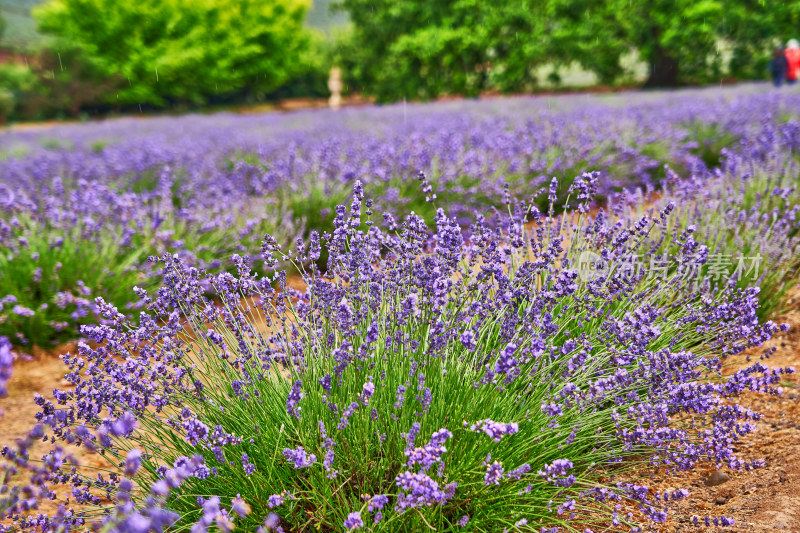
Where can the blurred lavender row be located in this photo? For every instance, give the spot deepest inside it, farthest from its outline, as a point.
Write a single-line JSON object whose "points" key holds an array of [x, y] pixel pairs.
{"points": [[85, 205]]}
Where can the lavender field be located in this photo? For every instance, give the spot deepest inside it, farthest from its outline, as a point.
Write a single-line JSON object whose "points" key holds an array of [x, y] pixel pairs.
{"points": [[489, 315]]}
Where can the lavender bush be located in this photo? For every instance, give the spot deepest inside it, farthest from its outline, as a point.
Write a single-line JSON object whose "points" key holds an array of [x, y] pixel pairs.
{"points": [[430, 378], [747, 212], [82, 207]]}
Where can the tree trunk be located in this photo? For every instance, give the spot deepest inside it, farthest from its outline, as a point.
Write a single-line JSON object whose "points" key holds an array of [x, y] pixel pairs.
{"points": [[75, 108], [663, 69]]}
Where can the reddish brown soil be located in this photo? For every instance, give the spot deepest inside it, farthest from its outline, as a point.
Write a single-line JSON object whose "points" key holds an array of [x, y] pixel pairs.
{"points": [[767, 499], [42, 374]]}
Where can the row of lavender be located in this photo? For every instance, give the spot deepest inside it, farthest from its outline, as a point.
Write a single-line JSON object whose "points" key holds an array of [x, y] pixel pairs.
{"points": [[434, 377], [449, 377], [84, 206]]}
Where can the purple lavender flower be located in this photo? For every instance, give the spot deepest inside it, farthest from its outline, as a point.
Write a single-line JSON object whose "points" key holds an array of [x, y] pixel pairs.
{"points": [[557, 472], [133, 461], [299, 458], [22, 311], [122, 426], [353, 521], [240, 507], [517, 473], [506, 362], [276, 500], [367, 391], [272, 522], [552, 193], [293, 400], [468, 340], [431, 453], [377, 502], [400, 396], [421, 491], [249, 468], [495, 430], [327, 464], [6, 362], [494, 474]]}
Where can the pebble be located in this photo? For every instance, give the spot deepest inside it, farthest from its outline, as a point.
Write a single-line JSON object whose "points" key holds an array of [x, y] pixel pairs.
{"points": [[716, 478], [720, 501]]}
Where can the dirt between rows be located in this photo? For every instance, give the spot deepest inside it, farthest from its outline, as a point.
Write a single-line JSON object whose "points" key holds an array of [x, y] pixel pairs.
{"points": [[764, 500], [767, 499]]}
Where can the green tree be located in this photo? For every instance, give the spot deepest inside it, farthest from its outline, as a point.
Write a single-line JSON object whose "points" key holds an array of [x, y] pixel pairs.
{"points": [[677, 38], [754, 27], [183, 50], [680, 40], [310, 79], [66, 83], [423, 49], [586, 32]]}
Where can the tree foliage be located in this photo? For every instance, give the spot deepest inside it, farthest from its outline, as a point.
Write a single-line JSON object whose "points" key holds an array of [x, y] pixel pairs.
{"points": [[67, 83], [183, 50], [678, 39], [422, 49], [753, 26], [310, 79]]}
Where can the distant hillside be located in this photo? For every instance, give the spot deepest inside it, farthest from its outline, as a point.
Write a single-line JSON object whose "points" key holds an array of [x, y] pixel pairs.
{"points": [[21, 28]]}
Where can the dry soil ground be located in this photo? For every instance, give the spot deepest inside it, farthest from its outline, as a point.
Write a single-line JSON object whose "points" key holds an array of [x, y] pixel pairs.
{"points": [[767, 499]]}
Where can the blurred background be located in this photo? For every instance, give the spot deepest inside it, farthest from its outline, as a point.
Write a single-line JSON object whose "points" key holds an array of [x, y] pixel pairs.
{"points": [[85, 58]]}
